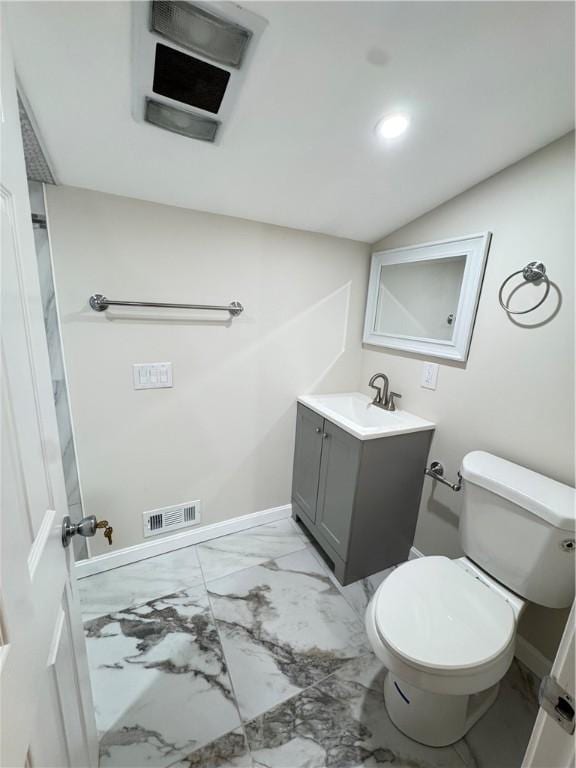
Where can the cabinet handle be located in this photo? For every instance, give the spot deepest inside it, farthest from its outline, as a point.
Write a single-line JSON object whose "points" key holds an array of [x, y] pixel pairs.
{"points": [[325, 435], [317, 430]]}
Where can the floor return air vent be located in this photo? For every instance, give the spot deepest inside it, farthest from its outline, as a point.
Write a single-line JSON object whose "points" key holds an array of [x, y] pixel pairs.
{"points": [[158, 521]]}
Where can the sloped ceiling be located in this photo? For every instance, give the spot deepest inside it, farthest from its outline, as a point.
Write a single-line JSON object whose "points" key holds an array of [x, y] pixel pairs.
{"points": [[485, 83]]}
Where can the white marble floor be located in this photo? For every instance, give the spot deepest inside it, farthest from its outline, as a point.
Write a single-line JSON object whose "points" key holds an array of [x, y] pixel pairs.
{"points": [[246, 652]]}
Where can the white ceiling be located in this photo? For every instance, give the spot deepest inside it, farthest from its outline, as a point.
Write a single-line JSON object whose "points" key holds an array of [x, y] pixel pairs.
{"points": [[485, 83]]}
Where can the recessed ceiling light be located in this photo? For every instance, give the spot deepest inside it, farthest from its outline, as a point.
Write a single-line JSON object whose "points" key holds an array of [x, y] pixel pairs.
{"points": [[392, 126]]}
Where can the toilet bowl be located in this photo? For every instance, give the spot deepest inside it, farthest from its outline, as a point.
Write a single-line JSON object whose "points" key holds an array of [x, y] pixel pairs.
{"points": [[445, 629], [446, 633]]}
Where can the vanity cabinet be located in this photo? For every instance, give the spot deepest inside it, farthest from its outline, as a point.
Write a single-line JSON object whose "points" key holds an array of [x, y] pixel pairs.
{"points": [[357, 498]]}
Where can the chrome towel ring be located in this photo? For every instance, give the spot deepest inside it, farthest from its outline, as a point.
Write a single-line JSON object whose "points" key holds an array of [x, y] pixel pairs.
{"points": [[531, 273]]}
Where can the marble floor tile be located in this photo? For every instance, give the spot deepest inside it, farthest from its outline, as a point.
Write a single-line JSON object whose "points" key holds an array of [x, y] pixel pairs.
{"points": [[287, 655], [284, 626], [340, 723], [229, 751], [499, 739], [139, 582], [360, 592], [160, 683], [228, 554]]}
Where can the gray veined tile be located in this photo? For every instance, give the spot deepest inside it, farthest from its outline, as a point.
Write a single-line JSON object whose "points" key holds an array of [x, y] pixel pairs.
{"points": [[284, 626], [160, 683], [139, 582], [360, 684], [340, 723], [359, 593], [229, 751], [237, 551]]}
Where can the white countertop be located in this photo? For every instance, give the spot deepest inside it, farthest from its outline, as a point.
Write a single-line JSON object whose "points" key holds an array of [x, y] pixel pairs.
{"points": [[354, 413]]}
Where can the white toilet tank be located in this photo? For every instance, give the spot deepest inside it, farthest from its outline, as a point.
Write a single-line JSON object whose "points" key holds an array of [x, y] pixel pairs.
{"points": [[519, 526]]}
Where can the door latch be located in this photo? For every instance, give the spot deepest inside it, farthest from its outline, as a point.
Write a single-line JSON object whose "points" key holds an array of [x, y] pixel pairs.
{"points": [[557, 702]]}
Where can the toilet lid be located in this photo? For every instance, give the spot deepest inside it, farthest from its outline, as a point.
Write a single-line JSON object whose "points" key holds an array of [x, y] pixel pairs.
{"points": [[434, 614]]}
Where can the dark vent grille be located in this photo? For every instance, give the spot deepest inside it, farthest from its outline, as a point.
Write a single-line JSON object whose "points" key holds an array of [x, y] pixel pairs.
{"points": [[189, 514], [189, 80], [155, 522]]}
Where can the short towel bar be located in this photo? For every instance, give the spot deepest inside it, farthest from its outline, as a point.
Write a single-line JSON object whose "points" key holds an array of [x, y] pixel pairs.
{"points": [[436, 472]]}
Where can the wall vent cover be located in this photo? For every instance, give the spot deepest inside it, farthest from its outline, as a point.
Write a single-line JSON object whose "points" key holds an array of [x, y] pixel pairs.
{"points": [[157, 521]]}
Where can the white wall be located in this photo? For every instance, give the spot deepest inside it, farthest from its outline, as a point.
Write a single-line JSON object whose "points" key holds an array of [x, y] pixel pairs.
{"points": [[515, 395], [224, 433]]}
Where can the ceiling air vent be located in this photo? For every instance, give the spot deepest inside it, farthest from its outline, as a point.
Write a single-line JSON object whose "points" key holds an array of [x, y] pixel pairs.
{"points": [[167, 519], [184, 78], [180, 92]]}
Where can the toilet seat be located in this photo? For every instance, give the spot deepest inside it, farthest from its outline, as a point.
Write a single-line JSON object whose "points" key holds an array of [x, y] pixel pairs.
{"points": [[436, 625]]}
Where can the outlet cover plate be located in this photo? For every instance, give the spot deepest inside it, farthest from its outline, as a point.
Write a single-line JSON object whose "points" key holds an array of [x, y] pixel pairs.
{"points": [[429, 375]]}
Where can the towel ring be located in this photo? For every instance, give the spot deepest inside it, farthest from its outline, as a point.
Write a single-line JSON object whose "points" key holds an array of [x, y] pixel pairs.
{"points": [[531, 273]]}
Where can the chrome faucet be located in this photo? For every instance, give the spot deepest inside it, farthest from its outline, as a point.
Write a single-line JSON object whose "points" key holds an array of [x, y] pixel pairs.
{"points": [[382, 398]]}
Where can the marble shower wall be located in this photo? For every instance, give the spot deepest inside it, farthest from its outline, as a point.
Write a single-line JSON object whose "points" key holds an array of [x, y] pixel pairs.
{"points": [[59, 387]]}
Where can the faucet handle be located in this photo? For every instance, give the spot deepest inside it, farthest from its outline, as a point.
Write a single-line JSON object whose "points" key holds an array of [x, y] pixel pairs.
{"points": [[390, 404]]}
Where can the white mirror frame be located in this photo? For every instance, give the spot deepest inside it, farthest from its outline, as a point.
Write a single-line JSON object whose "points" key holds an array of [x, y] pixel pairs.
{"points": [[475, 248]]}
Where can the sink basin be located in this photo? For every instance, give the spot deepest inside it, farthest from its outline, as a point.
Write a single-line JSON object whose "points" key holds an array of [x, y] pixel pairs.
{"points": [[355, 413]]}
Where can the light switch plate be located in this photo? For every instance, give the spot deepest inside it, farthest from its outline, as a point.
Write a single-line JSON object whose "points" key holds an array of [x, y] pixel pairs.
{"points": [[152, 375], [429, 375]]}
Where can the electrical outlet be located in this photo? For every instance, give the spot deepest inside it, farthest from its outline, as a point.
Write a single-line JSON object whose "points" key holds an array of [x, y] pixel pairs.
{"points": [[429, 375], [152, 375]]}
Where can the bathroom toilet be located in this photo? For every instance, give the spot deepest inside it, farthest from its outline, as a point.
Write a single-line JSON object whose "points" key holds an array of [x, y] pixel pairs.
{"points": [[446, 629]]}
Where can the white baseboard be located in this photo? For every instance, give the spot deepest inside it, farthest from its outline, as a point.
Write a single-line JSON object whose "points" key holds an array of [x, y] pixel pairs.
{"points": [[532, 658], [166, 544]]}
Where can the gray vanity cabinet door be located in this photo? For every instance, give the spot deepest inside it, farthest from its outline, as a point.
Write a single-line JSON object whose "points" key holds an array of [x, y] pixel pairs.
{"points": [[308, 450], [337, 488]]}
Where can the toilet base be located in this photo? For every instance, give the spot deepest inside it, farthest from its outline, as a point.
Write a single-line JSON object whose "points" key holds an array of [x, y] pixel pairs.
{"points": [[434, 719]]}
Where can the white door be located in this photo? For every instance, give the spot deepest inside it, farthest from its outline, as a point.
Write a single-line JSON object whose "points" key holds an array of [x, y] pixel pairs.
{"points": [[46, 709], [550, 745]]}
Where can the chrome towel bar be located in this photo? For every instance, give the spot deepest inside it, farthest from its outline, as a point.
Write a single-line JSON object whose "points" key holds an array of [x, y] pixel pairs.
{"points": [[436, 472], [100, 303]]}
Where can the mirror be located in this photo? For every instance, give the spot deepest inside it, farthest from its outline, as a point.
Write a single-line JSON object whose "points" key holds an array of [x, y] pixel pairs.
{"points": [[423, 298], [419, 298]]}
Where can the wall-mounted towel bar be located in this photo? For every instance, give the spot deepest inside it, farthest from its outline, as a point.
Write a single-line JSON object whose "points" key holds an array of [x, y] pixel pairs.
{"points": [[99, 303]]}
